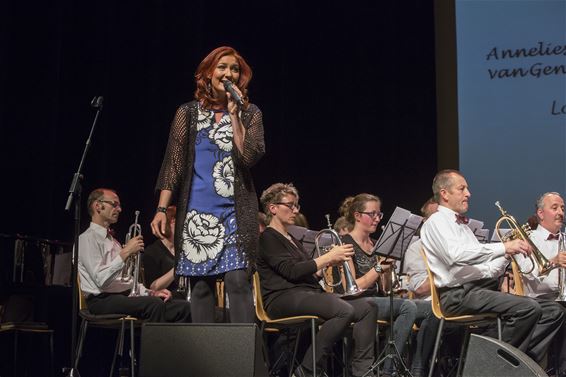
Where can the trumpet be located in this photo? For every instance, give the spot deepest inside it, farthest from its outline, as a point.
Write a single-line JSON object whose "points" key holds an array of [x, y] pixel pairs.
{"points": [[346, 278], [561, 270], [389, 280], [132, 265], [522, 233]]}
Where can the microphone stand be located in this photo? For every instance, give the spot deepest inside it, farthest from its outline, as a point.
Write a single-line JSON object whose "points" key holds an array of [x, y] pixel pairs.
{"points": [[74, 199]]}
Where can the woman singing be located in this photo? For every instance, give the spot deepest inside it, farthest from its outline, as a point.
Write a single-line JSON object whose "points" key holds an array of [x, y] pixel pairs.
{"points": [[290, 287], [213, 142]]}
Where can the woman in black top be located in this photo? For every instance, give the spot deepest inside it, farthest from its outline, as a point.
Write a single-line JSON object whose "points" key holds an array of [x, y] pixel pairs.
{"points": [[290, 286], [213, 143], [363, 212]]}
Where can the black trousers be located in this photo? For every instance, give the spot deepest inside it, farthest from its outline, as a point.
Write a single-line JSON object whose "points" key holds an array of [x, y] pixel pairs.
{"points": [[151, 309], [238, 287], [338, 315], [528, 324]]}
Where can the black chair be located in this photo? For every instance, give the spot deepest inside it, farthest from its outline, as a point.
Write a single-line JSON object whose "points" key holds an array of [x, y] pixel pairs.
{"points": [[108, 321]]}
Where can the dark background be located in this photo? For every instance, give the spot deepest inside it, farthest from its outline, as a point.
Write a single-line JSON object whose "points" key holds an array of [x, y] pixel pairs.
{"points": [[347, 91]]}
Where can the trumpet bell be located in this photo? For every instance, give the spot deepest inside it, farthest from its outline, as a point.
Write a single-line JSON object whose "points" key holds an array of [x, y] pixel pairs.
{"points": [[522, 232], [324, 241]]}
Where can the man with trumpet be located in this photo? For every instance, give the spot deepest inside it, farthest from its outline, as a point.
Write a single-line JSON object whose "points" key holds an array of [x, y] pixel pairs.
{"points": [[546, 237], [101, 260], [466, 272], [550, 217]]}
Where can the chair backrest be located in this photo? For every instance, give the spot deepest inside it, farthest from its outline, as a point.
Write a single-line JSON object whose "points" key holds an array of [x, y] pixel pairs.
{"points": [[436, 310], [517, 278], [82, 299], [259, 309]]}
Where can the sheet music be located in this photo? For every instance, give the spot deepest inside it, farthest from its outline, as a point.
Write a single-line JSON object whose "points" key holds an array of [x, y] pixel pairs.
{"points": [[397, 234], [482, 235], [307, 236], [475, 225], [495, 238]]}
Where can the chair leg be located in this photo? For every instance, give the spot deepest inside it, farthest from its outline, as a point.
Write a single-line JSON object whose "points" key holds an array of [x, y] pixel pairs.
{"points": [[264, 350], [119, 350], [313, 336], [79, 350], [499, 326], [51, 355], [132, 350], [463, 352], [15, 352], [345, 345], [436, 345], [295, 349], [115, 354]]}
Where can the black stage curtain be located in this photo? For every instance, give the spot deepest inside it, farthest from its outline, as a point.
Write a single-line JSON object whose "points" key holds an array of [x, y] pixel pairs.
{"points": [[346, 88]]}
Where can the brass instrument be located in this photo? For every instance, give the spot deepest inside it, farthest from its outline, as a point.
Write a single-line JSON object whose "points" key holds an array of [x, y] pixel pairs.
{"points": [[388, 278], [561, 270], [131, 270], [522, 232], [346, 276], [184, 287]]}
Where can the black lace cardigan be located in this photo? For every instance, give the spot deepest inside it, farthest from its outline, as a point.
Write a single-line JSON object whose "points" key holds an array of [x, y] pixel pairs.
{"points": [[177, 169]]}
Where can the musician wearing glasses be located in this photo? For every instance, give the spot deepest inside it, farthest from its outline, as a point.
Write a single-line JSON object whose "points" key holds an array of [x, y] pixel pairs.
{"points": [[213, 142], [466, 272], [363, 212], [101, 260], [289, 285]]}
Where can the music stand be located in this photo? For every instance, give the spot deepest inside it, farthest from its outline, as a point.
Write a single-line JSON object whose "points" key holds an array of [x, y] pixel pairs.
{"points": [[307, 236], [393, 243]]}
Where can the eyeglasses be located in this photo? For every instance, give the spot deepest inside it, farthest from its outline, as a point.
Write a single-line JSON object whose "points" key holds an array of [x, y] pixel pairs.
{"points": [[111, 202], [291, 206], [374, 214]]}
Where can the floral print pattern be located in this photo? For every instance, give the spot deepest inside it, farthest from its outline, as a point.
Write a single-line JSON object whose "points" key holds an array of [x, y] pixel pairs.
{"points": [[223, 175], [203, 236]]}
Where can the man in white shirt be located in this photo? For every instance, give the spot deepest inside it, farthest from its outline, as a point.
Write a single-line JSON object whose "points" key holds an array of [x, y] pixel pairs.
{"points": [[101, 259], [466, 272], [550, 217]]}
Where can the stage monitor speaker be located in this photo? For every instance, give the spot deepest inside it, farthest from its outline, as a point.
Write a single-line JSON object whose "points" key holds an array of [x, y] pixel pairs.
{"points": [[490, 357], [201, 350]]}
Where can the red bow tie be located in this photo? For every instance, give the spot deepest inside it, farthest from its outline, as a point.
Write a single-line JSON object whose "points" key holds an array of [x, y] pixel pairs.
{"points": [[553, 236], [461, 219]]}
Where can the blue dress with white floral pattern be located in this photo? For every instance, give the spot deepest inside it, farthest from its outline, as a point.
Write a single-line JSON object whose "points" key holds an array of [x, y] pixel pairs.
{"points": [[208, 239]]}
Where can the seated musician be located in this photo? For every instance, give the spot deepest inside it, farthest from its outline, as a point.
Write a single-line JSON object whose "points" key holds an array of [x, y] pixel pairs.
{"points": [[289, 285], [414, 264], [550, 217], [466, 272], [159, 259], [363, 212], [101, 260]]}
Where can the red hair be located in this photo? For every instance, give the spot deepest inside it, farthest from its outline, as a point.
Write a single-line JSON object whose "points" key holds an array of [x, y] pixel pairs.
{"points": [[207, 66]]}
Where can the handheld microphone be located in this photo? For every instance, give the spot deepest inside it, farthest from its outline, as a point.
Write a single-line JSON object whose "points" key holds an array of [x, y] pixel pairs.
{"points": [[97, 102], [230, 89]]}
